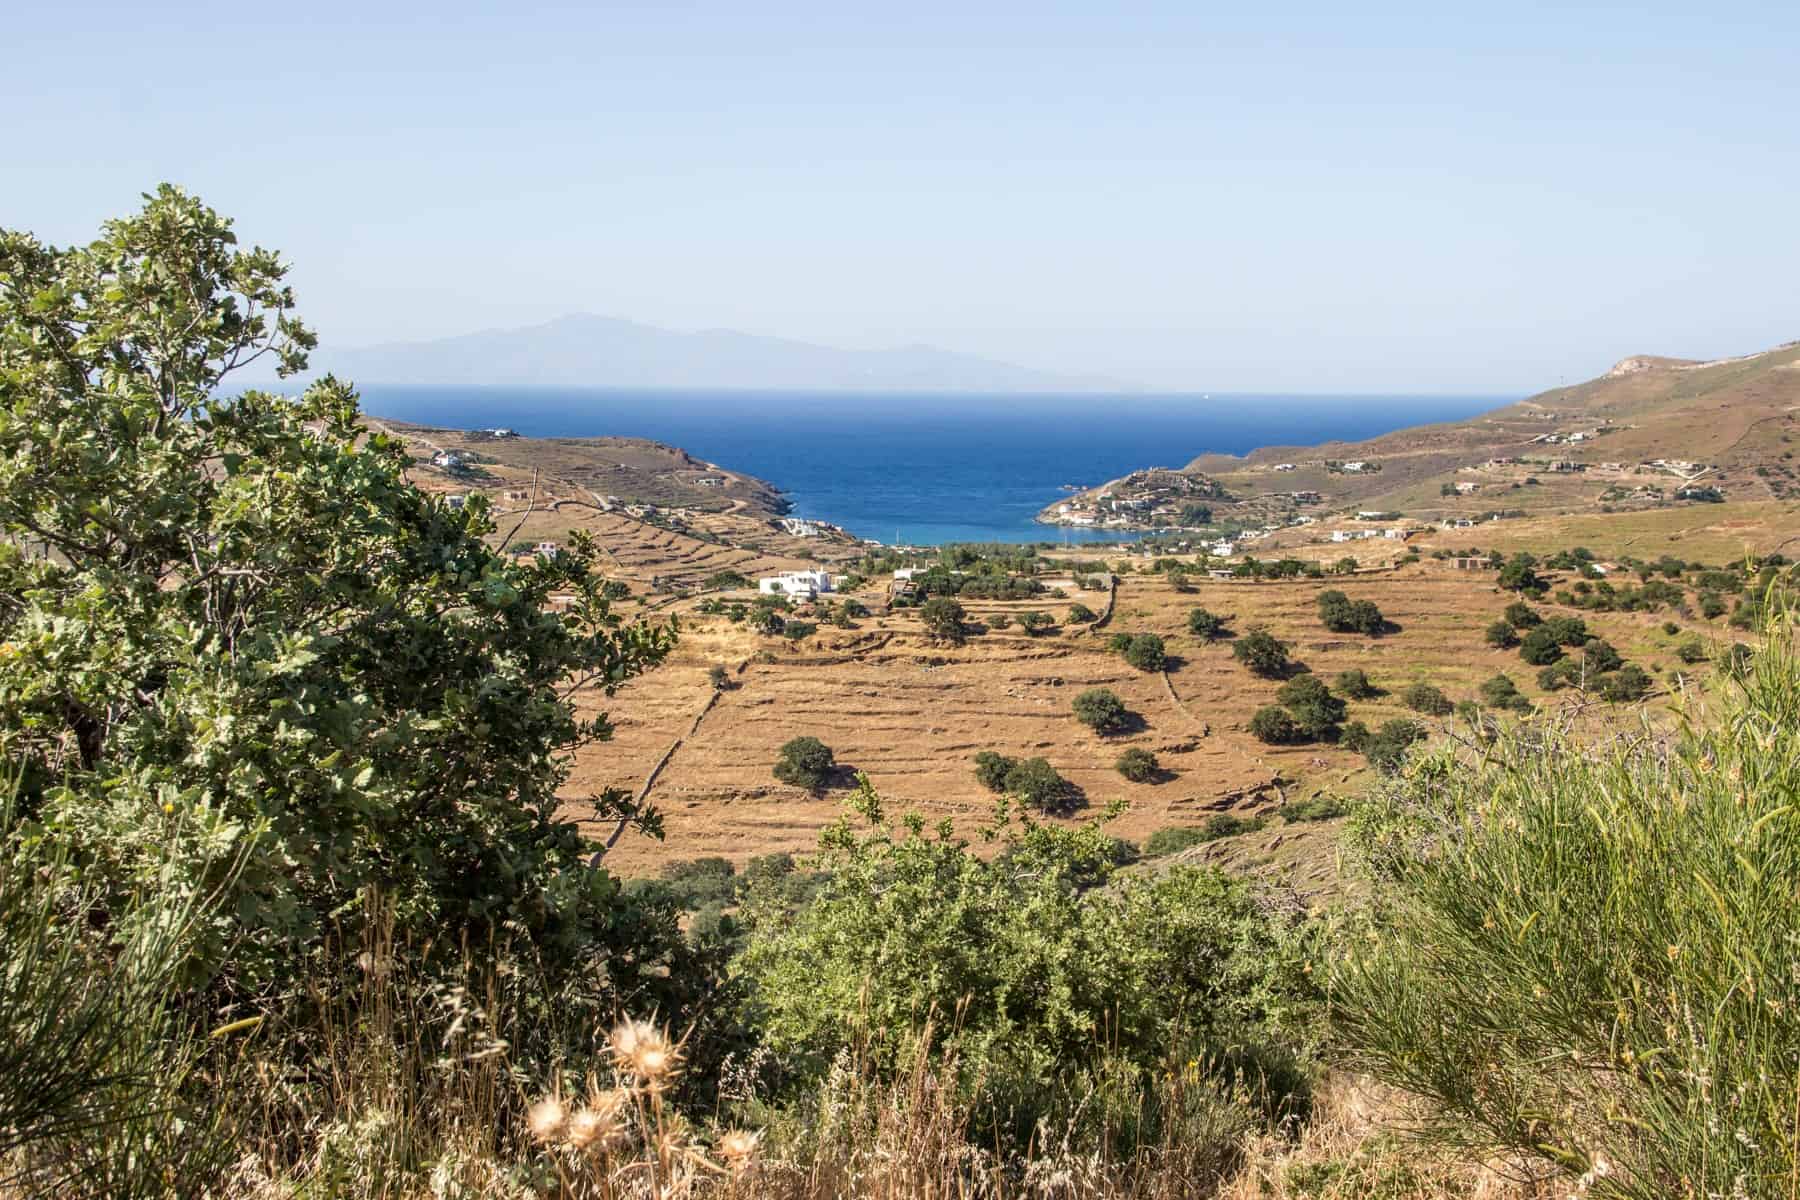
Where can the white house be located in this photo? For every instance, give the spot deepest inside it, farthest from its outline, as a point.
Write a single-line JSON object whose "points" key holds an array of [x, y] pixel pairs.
{"points": [[905, 574], [1341, 535], [448, 459], [1222, 548], [1356, 466], [795, 583], [1284, 466], [546, 549]]}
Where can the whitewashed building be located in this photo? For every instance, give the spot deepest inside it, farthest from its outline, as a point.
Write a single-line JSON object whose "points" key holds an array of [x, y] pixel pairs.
{"points": [[795, 583]]}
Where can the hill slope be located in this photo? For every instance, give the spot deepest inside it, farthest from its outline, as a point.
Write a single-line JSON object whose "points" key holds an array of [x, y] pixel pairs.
{"points": [[592, 351], [1729, 424]]}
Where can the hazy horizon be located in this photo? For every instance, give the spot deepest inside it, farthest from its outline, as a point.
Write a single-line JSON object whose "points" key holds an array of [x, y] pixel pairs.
{"points": [[1313, 200]]}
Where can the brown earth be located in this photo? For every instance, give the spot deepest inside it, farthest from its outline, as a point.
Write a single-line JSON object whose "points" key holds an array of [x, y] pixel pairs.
{"points": [[913, 714]]}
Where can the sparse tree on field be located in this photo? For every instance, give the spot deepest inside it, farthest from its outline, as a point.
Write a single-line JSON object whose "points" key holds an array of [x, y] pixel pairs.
{"points": [[1262, 652], [805, 762], [943, 619], [1101, 710]]}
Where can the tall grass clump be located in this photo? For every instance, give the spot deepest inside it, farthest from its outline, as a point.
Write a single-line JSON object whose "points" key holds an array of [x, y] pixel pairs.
{"points": [[1588, 954], [95, 1064]]}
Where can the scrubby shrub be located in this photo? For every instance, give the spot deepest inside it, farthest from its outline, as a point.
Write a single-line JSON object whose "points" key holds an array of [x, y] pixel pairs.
{"points": [[1386, 747], [1355, 684], [1540, 647], [1502, 636], [943, 619], [991, 769], [1034, 622], [1031, 957], [805, 762], [1344, 615], [1424, 698], [1036, 782], [1138, 765], [1501, 692], [1624, 686], [1101, 710], [1522, 616], [1146, 652], [1080, 614], [1274, 725], [1692, 650], [1262, 652], [1314, 808], [1315, 710], [1204, 624], [796, 631], [1598, 657], [1552, 903]]}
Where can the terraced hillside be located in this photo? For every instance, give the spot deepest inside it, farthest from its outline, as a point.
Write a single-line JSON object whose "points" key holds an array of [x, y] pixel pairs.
{"points": [[660, 527], [913, 713]]}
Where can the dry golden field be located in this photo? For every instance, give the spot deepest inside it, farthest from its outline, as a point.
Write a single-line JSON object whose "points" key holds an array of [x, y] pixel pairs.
{"points": [[912, 714]]}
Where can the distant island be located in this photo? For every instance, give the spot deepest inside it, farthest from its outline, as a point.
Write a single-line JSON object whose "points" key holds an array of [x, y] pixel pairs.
{"points": [[593, 351]]}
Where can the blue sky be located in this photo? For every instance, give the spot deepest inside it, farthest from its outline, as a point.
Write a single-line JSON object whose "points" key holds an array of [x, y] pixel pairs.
{"points": [[1304, 196]]}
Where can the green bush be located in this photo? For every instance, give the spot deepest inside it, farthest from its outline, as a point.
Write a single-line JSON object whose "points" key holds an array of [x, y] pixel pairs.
{"points": [[1355, 684], [1262, 652], [1521, 615], [991, 769], [1692, 650], [1502, 692], [1204, 624], [1315, 808], [1034, 622], [1540, 647], [1101, 710], [1138, 765], [1080, 614], [1146, 652], [943, 619], [1037, 783], [1315, 710], [1386, 747], [253, 640], [1274, 725], [1424, 698], [1589, 933], [1035, 975], [1502, 636], [1341, 614], [805, 762]]}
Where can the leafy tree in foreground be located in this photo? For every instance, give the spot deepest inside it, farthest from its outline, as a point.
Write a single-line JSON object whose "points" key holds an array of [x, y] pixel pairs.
{"points": [[234, 633], [1577, 925], [1101, 710], [805, 762]]}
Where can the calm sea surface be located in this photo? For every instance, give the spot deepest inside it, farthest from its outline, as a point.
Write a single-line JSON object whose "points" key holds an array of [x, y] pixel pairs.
{"points": [[927, 468]]}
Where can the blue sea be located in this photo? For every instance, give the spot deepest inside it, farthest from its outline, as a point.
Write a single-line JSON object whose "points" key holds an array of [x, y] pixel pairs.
{"points": [[927, 468]]}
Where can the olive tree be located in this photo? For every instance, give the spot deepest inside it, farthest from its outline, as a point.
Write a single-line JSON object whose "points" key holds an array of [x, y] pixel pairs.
{"points": [[233, 633]]}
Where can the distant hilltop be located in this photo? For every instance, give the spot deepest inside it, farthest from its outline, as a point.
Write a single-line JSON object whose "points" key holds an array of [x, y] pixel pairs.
{"points": [[594, 351]]}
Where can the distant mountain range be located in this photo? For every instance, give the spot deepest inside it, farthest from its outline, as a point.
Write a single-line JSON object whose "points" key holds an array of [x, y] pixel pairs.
{"points": [[591, 351]]}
